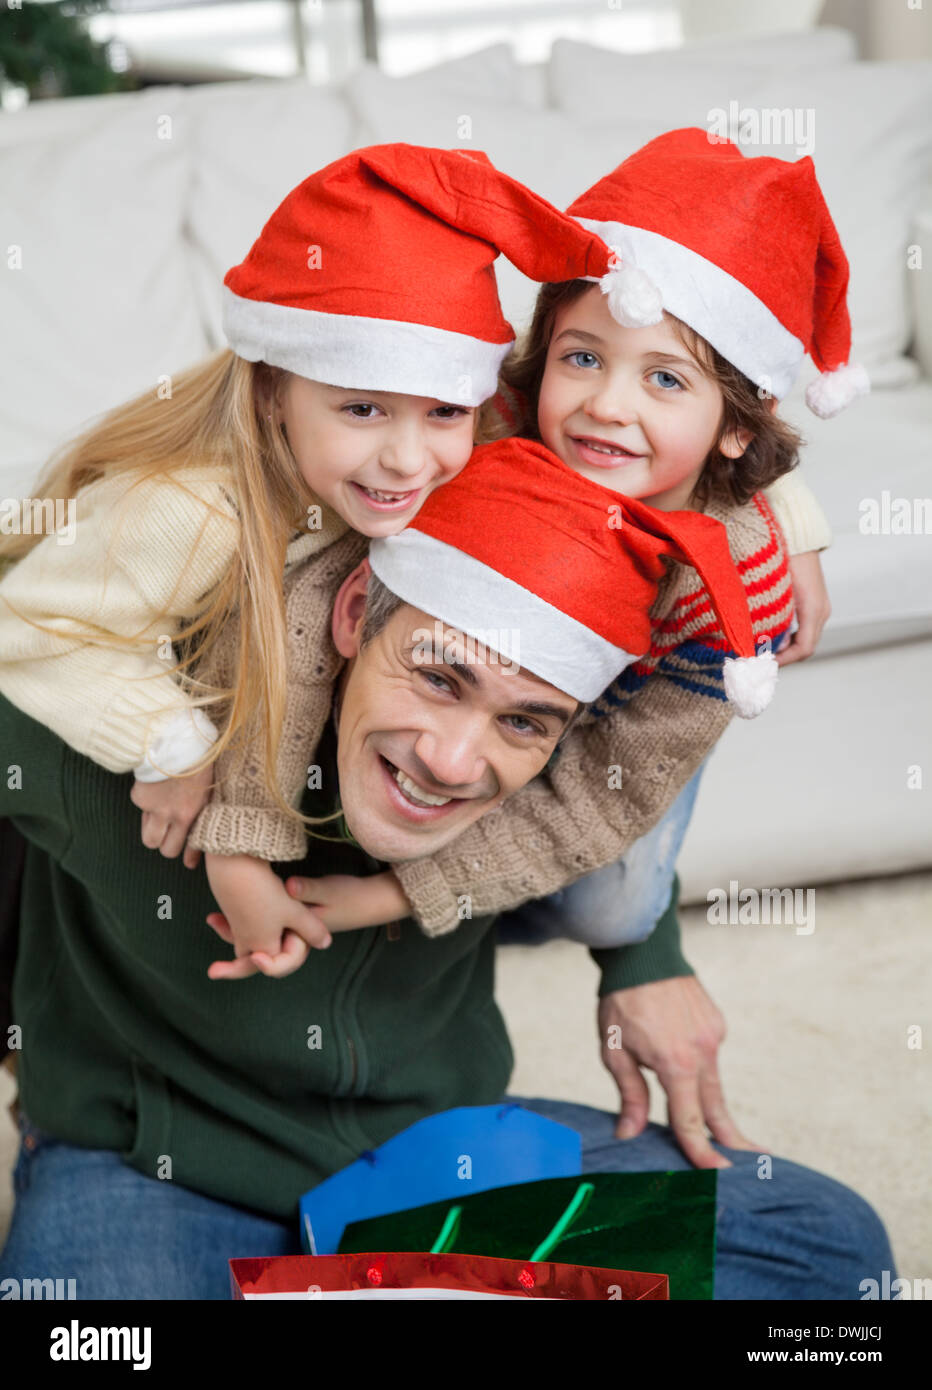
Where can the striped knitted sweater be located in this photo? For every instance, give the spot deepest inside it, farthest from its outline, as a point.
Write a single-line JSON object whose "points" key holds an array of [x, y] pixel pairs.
{"points": [[628, 756], [688, 647]]}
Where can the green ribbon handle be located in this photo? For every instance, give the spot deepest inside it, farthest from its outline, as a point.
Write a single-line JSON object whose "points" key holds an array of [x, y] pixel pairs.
{"points": [[580, 1200], [448, 1232]]}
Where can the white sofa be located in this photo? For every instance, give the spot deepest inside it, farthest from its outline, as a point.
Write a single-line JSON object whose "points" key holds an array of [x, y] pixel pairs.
{"points": [[121, 214]]}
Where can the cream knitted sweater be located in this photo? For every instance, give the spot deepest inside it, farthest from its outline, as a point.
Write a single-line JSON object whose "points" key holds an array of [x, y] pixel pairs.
{"points": [[145, 553]]}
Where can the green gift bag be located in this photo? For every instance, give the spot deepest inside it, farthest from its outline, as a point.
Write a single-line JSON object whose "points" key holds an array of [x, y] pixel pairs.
{"points": [[663, 1222]]}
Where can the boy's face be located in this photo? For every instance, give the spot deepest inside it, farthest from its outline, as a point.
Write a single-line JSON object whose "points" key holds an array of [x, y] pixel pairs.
{"points": [[373, 456], [630, 408], [430, 737]]}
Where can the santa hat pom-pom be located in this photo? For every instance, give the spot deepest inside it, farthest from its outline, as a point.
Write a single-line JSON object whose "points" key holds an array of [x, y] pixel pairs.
{"points": [[634, 300], [750, 682], [832, 391]]}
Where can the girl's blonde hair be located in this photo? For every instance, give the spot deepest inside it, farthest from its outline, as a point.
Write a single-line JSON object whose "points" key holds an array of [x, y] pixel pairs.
{"points": [[217, 415], [213, 416], [774, 447]]}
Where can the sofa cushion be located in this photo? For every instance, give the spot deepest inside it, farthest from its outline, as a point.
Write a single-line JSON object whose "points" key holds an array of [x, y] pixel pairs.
{"points": [[490, 74], [879, 573], [586, 80], [832, 765], [93, 194], [252, 143]]}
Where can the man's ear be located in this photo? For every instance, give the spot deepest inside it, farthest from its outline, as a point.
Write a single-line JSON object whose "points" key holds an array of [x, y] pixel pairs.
{"points": [[349, 611]]}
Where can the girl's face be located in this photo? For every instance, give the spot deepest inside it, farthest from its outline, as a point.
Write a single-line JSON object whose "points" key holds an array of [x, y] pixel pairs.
{"points": [[630, 408], [373, 456]]}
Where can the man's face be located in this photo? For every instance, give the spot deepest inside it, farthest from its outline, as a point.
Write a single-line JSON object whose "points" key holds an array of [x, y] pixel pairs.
{"points": [[431, 736]]}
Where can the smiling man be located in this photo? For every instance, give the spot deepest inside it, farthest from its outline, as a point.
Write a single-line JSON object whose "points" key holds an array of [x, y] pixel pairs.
{"points": [[170, 1122], [434, 732]]}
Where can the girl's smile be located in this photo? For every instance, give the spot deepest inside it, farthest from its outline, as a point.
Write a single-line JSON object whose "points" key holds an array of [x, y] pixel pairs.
{"points": [[382, 501], [595, 452]]}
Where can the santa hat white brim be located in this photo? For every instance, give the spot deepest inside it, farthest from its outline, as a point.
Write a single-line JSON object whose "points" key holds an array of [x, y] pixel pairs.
{"points": [[364, 354], [713, 303], [498, 612]]}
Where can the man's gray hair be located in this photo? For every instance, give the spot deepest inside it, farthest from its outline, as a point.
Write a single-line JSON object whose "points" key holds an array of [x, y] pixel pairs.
{"points": [[381, 603]]}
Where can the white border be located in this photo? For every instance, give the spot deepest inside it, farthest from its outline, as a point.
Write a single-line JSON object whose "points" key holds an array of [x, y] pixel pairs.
{"points": [[470, 596], [713, 303], [364, 354]]}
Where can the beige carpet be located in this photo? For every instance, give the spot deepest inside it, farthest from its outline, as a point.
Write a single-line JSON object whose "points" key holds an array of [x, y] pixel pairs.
{"points": [[816, 1066]]}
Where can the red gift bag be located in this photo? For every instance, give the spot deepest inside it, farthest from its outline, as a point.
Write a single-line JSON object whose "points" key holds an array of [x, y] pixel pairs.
{"points": [[419, 1275]]}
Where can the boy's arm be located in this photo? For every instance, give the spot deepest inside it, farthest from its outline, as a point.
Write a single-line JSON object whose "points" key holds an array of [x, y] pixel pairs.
{"points": [[623, 764], [242, 816], [141, 559], [803, 523]]}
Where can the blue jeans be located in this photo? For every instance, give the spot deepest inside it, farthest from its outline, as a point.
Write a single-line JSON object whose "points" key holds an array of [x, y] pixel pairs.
{"points": [[617, 905], [84, 1214]]}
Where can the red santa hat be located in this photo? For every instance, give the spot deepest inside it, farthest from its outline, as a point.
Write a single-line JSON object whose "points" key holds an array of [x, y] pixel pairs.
{"points": [[563, 572], [743, 250], [376, 273]]}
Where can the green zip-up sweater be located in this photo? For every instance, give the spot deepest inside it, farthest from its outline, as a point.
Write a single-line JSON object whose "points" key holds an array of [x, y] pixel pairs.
{"points": [[248, 1092]]}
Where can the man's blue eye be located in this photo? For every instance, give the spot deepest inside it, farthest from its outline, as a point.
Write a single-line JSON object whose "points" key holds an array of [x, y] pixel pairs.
{"points": [[436, 682], [666, 380]]}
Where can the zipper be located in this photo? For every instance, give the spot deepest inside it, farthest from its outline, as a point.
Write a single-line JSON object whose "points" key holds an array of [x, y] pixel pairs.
{"points": [[345, 1016], [392, 933]]}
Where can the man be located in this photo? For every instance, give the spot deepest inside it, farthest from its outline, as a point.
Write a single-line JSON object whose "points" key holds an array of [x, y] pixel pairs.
{"points": [[170, 1122]]}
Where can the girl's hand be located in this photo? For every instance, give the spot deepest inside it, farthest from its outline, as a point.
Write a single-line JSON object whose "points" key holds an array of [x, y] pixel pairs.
{"points": [[293, 954], [813, 608], [270, 931], [344, 902], [169, 809]]}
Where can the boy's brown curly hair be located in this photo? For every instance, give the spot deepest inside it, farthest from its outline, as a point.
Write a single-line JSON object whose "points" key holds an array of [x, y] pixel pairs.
{"points": [[773, 450]]}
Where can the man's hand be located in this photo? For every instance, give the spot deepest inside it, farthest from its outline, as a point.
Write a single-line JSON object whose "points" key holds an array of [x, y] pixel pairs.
{"points": [[672, 1027], [169, 809], [813, 608], [270, 931], [345, 901]]}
